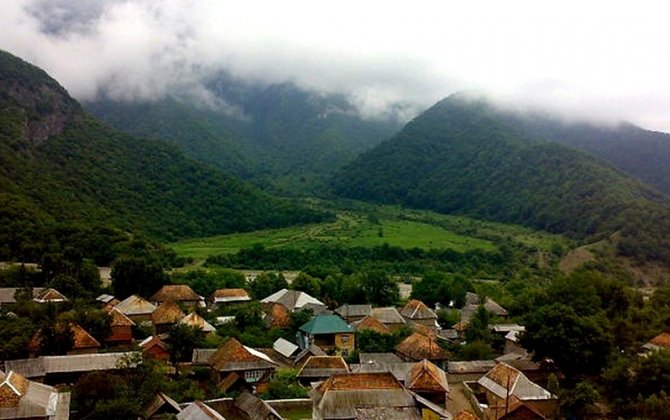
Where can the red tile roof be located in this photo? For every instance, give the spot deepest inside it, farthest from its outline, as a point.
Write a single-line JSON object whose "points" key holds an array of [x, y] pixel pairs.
{"points": [[418, 346], [373, 324], [353, 381], [167, 313], [175, 293], [661, 340]]}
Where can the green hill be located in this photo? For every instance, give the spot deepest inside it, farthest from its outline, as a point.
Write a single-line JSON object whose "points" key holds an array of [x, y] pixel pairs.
{"points": [[466, 157], [59, 165], [278, 136]]}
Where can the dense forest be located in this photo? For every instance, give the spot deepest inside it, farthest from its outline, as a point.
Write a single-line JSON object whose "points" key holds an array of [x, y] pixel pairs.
{"points": [[280, 137], [462, 156], [62, 167]]}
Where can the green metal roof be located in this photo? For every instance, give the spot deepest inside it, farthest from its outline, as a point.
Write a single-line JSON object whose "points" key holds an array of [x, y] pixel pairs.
{"points": [[326, 324]]}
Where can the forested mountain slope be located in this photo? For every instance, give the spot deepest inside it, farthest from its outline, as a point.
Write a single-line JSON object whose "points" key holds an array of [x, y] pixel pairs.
{"points": [[60, 165], [464, 156], [279, 136]]}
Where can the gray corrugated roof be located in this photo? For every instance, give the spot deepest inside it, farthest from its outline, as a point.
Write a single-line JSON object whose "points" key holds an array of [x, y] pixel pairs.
{"points": [[398, 370], [285, 347], [388, 315], [255, 408], [201, 356], [379, 358], [473, 366], [376, 403], [353, 310], [32, 368]]}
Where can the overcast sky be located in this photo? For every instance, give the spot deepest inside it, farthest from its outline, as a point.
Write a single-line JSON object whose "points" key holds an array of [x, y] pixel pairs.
{"points": [[591, 59]]}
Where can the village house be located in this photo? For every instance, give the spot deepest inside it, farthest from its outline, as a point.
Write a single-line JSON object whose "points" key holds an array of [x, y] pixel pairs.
{"points": [[161, 407], [178, 293], [390, 317], [305, 354], [276, 315], [228, 297], [353, 313], [370, 323], [660, 342], [417, 347], [8, 295], [329, 332], [505, 390], [137, 309], [154, 348], [107, 300], [82, 341], [165, 316], [21, 398], [473, 301], [199, 411], [295, 300], [285, 349], [428, 381], [121, 328], [370, 395], [417, 312], [320, 368], [245, 406], [49, 296], [196, 321], [235, 365], [66, 369]]}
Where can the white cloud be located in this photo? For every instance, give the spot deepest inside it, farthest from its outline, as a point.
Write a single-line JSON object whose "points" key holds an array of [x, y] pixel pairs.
{"points": [[604, 60]]}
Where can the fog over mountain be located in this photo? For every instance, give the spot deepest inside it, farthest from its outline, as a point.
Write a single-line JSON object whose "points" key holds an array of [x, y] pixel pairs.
{"points": [[599, 60]]}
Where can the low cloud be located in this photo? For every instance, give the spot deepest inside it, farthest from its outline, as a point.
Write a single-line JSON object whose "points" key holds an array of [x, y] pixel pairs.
{"points": [[594, 60]]}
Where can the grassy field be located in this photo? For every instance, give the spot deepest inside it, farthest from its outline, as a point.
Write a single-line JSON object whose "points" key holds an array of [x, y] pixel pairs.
{"points": [[367, 225], [350, 229]]}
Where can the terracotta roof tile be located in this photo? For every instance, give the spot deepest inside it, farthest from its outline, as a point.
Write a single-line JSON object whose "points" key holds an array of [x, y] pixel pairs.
{"points": [[466, 415], [233, 352], [418, 346], [196, 321], [373, 324], [279, 315], [175, 293], [12, 388], [82, 339], [425, 376], [661, 340], [49, 295], [325, 362], [415, 309], [167, 313], [118, 318], [226, 293], [353, 381]]}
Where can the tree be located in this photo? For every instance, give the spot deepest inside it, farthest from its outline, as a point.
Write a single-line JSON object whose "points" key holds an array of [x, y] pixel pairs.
{"points": [[307, 284], [15, 333], [580, 400], [368, 341], [478, 328], [266, 284], [578, 344], [137, 275], [181, 341], [379, 288]]}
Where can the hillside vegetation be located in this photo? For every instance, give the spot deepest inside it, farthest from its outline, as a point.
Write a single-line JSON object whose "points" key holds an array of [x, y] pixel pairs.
{"points": [[464, 157], [280, 137], [58, 165]]}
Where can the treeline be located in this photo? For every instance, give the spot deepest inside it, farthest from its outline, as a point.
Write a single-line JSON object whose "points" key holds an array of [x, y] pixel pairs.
{"points": [[330, 259]]}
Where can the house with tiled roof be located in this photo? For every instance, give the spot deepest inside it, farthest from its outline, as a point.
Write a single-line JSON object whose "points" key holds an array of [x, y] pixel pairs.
{"points": [[196, 321], [177, 293], [154, 348], [294, 300], [370, 396], [320, 368], [82, 341], [329, 332], [473, 301], [107, 300], [353, 313], [305, 354], [236, 365], [370, 323], [121, 328], [417, 347], [390, 317], [660, 342], [199, 411], [21, 398], [505, 389], [276, 315], [417, 312], [161, 407], [166, 315], [229, 297], [137, 309], [429, 381], [49, 296]]}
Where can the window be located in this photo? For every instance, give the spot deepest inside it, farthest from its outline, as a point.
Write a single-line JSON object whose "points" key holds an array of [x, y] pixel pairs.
{"points": [[345, 338], [253, 375]]}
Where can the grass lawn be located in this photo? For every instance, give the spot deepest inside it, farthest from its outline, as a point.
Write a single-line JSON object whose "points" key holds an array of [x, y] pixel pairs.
{"points": [[350, 229]]}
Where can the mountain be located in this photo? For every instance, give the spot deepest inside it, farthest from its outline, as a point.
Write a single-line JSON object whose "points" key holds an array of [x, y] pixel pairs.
{"points": [[59, 165], [465, 156], [279, 136], [642, 153]]}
